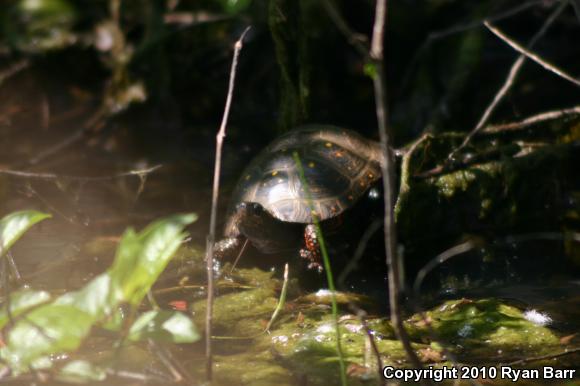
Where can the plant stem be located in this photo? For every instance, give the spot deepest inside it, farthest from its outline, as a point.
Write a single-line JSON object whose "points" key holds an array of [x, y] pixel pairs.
{"points": [[214, 204]]}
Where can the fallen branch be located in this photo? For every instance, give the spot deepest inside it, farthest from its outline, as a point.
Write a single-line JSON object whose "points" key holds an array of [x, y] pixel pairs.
{"points": [[214, 203], [534, 119]]}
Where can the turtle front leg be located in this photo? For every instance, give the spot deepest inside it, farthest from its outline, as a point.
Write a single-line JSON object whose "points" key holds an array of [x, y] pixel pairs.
{"points": [[311, 251], [227, 247]]}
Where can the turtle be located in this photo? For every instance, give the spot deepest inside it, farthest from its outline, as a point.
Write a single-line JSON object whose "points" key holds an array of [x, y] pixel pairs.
{"points": [[270, 199]]}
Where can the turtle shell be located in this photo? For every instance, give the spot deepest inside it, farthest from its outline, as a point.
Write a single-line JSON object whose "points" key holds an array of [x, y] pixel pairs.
{"points": [[339, 166]]}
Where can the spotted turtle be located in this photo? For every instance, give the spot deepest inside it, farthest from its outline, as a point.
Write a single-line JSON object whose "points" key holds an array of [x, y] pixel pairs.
{"points": [[270, 198]]}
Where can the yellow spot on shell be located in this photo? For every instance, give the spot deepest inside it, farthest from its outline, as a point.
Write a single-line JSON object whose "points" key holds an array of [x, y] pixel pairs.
{"points": [[328, 144], [274, 173], [311, 164]]}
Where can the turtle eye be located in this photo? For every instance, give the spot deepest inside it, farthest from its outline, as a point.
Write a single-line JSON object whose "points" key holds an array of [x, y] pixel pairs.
{"points": [[256, 207], [241, 206]]}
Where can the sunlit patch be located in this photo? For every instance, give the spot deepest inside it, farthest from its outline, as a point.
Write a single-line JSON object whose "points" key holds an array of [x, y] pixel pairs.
{"points": [[354, 328], [277, 193], [538, 318], [280, 339], [323, 292], [325, 328], [274, 172], [320, 338]]}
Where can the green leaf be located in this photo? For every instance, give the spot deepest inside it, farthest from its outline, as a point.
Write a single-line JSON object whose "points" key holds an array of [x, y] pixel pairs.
{"points": [[164, 326], [13, 226], [94, 299], [142, 257], [47, 330], [81, 371], [22, 301], [62, 326]]}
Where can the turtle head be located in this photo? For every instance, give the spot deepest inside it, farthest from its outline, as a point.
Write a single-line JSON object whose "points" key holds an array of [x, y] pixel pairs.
{"points": [[252, 218], [266, 232]]}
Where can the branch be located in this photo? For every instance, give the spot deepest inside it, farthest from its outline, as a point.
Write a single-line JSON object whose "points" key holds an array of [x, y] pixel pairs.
{"points": [[357, 40], [214, 204], [514, 70], [531, 55], [534, 119], [54, 176], [388, 171]]}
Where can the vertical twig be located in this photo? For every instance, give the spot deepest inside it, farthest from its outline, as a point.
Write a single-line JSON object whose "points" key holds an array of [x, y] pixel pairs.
{"points": [[214, 203], [388, 170]]}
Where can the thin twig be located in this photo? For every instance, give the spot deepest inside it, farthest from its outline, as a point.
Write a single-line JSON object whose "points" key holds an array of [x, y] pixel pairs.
{"points": [[534, 119], [405, 179], [54, 176], [93, 121], [438, 260], [418, 307], [14, 69], [357, 40], [514, 70], [281, 301], [436, 35], [522, 50], [388, 171], [361, 314], [239, 256], [214, 204], [358, 253], [170, 362]]}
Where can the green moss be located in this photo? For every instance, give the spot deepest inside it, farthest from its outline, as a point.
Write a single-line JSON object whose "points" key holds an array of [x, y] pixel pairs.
{"points": [[484, 325], [245, 309]]}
